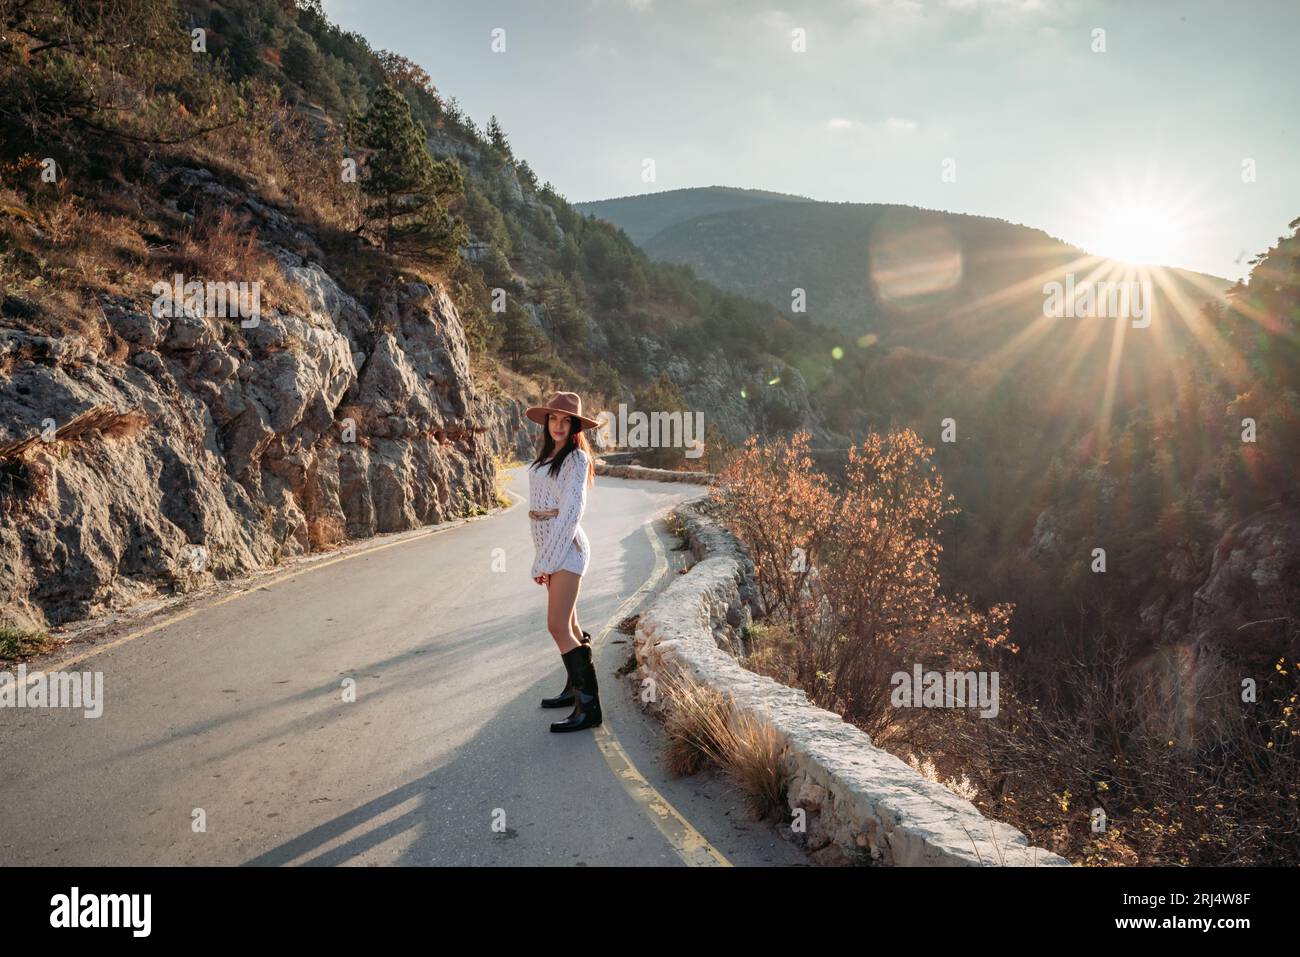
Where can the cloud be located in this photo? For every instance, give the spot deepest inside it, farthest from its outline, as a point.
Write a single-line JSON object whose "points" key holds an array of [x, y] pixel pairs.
{"points": [[892, 125]]}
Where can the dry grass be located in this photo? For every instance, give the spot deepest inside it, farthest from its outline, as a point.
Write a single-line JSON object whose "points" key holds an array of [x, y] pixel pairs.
{"points": [[223, 247], [292, 164], [73, 251], [98, 420], [17, 644], [63, 244], [325, 532], [502, 468], [703, 727], [59, 251]]}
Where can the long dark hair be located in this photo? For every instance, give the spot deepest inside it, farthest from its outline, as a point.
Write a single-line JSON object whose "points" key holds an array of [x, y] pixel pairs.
{"points": [[577, 440]]}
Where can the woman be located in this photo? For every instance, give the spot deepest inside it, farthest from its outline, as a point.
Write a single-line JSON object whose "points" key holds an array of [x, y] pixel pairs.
{"points": [[557, 496]]}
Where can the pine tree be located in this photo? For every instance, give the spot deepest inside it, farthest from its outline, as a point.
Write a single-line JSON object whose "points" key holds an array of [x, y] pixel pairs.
{"points": [[304, 64], [497, 137], [526, 175], [521, 341], [408, 186]]}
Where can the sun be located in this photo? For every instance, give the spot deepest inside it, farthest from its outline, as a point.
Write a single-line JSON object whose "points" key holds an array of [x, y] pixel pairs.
{"points": [[1140, 233], [1147, 224]]}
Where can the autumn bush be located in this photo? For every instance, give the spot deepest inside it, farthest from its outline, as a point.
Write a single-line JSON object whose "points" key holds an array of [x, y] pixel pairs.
{"points": [[853, 570]]}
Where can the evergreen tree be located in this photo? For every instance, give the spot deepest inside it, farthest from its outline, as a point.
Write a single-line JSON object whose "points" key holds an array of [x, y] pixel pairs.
{"points": [[497, 138], [567, 318], [409, 188], [304, 64], [521, 341], [526, 175]]}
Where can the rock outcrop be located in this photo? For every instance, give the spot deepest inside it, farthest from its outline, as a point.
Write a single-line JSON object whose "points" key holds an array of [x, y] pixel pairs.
{"points": [[227, 448]]}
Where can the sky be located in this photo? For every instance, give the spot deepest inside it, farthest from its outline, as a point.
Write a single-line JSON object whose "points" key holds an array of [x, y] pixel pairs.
{"points": [[1147, 130]]}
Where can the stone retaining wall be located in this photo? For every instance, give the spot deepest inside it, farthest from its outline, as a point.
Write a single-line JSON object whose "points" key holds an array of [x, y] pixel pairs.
{"points": [[862, 803], [657, 475]]}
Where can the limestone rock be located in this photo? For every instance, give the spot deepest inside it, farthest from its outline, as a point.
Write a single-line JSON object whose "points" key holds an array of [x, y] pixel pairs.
{"points": [[251, 444]]}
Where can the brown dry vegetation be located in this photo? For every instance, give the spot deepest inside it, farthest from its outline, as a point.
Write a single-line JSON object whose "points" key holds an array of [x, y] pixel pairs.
{"points": [[849, 575], [703, 727]]}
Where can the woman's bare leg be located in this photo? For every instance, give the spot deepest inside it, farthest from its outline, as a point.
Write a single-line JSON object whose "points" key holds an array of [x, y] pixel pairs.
{"points": [[574, 628], [562, 599]]}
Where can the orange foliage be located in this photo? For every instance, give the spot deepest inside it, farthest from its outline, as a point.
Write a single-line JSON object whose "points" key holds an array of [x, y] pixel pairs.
{"points": [[854, 569]]}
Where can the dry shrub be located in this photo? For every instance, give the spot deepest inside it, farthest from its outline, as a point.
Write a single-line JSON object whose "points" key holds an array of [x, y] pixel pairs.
{"points": [[363, 418], [1184, 771], [25, 485], [772, 651], [292, 161], [18, 643], [924, 766], [126, 425], [222, 247], [854, 571], [325, 531], [704, 727]]}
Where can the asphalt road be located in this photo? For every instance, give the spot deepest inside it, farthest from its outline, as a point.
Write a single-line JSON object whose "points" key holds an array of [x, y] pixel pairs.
{"points": [[235, 717]]}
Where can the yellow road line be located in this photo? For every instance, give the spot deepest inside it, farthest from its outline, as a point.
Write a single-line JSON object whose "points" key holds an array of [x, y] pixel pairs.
{"points": [[691, 846]]}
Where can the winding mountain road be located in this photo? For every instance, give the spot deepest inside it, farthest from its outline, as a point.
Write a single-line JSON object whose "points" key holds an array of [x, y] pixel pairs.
{"points": [[226, 737]]}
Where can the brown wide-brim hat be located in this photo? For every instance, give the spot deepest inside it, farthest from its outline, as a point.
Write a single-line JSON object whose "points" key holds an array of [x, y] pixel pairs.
{"points": [[565, 403]]}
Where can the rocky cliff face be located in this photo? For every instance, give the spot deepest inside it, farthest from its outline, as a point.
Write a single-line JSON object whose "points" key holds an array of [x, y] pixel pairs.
{"points": [[198, 449], [512, 434], [1244, 608], [1208, 628]]}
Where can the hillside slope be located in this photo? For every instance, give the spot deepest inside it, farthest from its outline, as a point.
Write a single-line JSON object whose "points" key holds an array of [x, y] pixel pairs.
{"points": [[898, 271], [645, 216]]}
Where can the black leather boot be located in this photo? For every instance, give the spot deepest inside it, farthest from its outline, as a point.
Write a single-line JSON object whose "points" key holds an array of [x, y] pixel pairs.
{"points": [[565, 698], [586, 693]]}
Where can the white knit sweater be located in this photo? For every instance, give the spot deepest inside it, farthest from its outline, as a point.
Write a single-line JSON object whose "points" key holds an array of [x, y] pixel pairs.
{"points": [[552, 537]]}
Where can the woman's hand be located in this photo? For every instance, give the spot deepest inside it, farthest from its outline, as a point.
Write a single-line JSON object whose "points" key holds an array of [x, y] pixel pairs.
{"points": [[543, 580]]}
